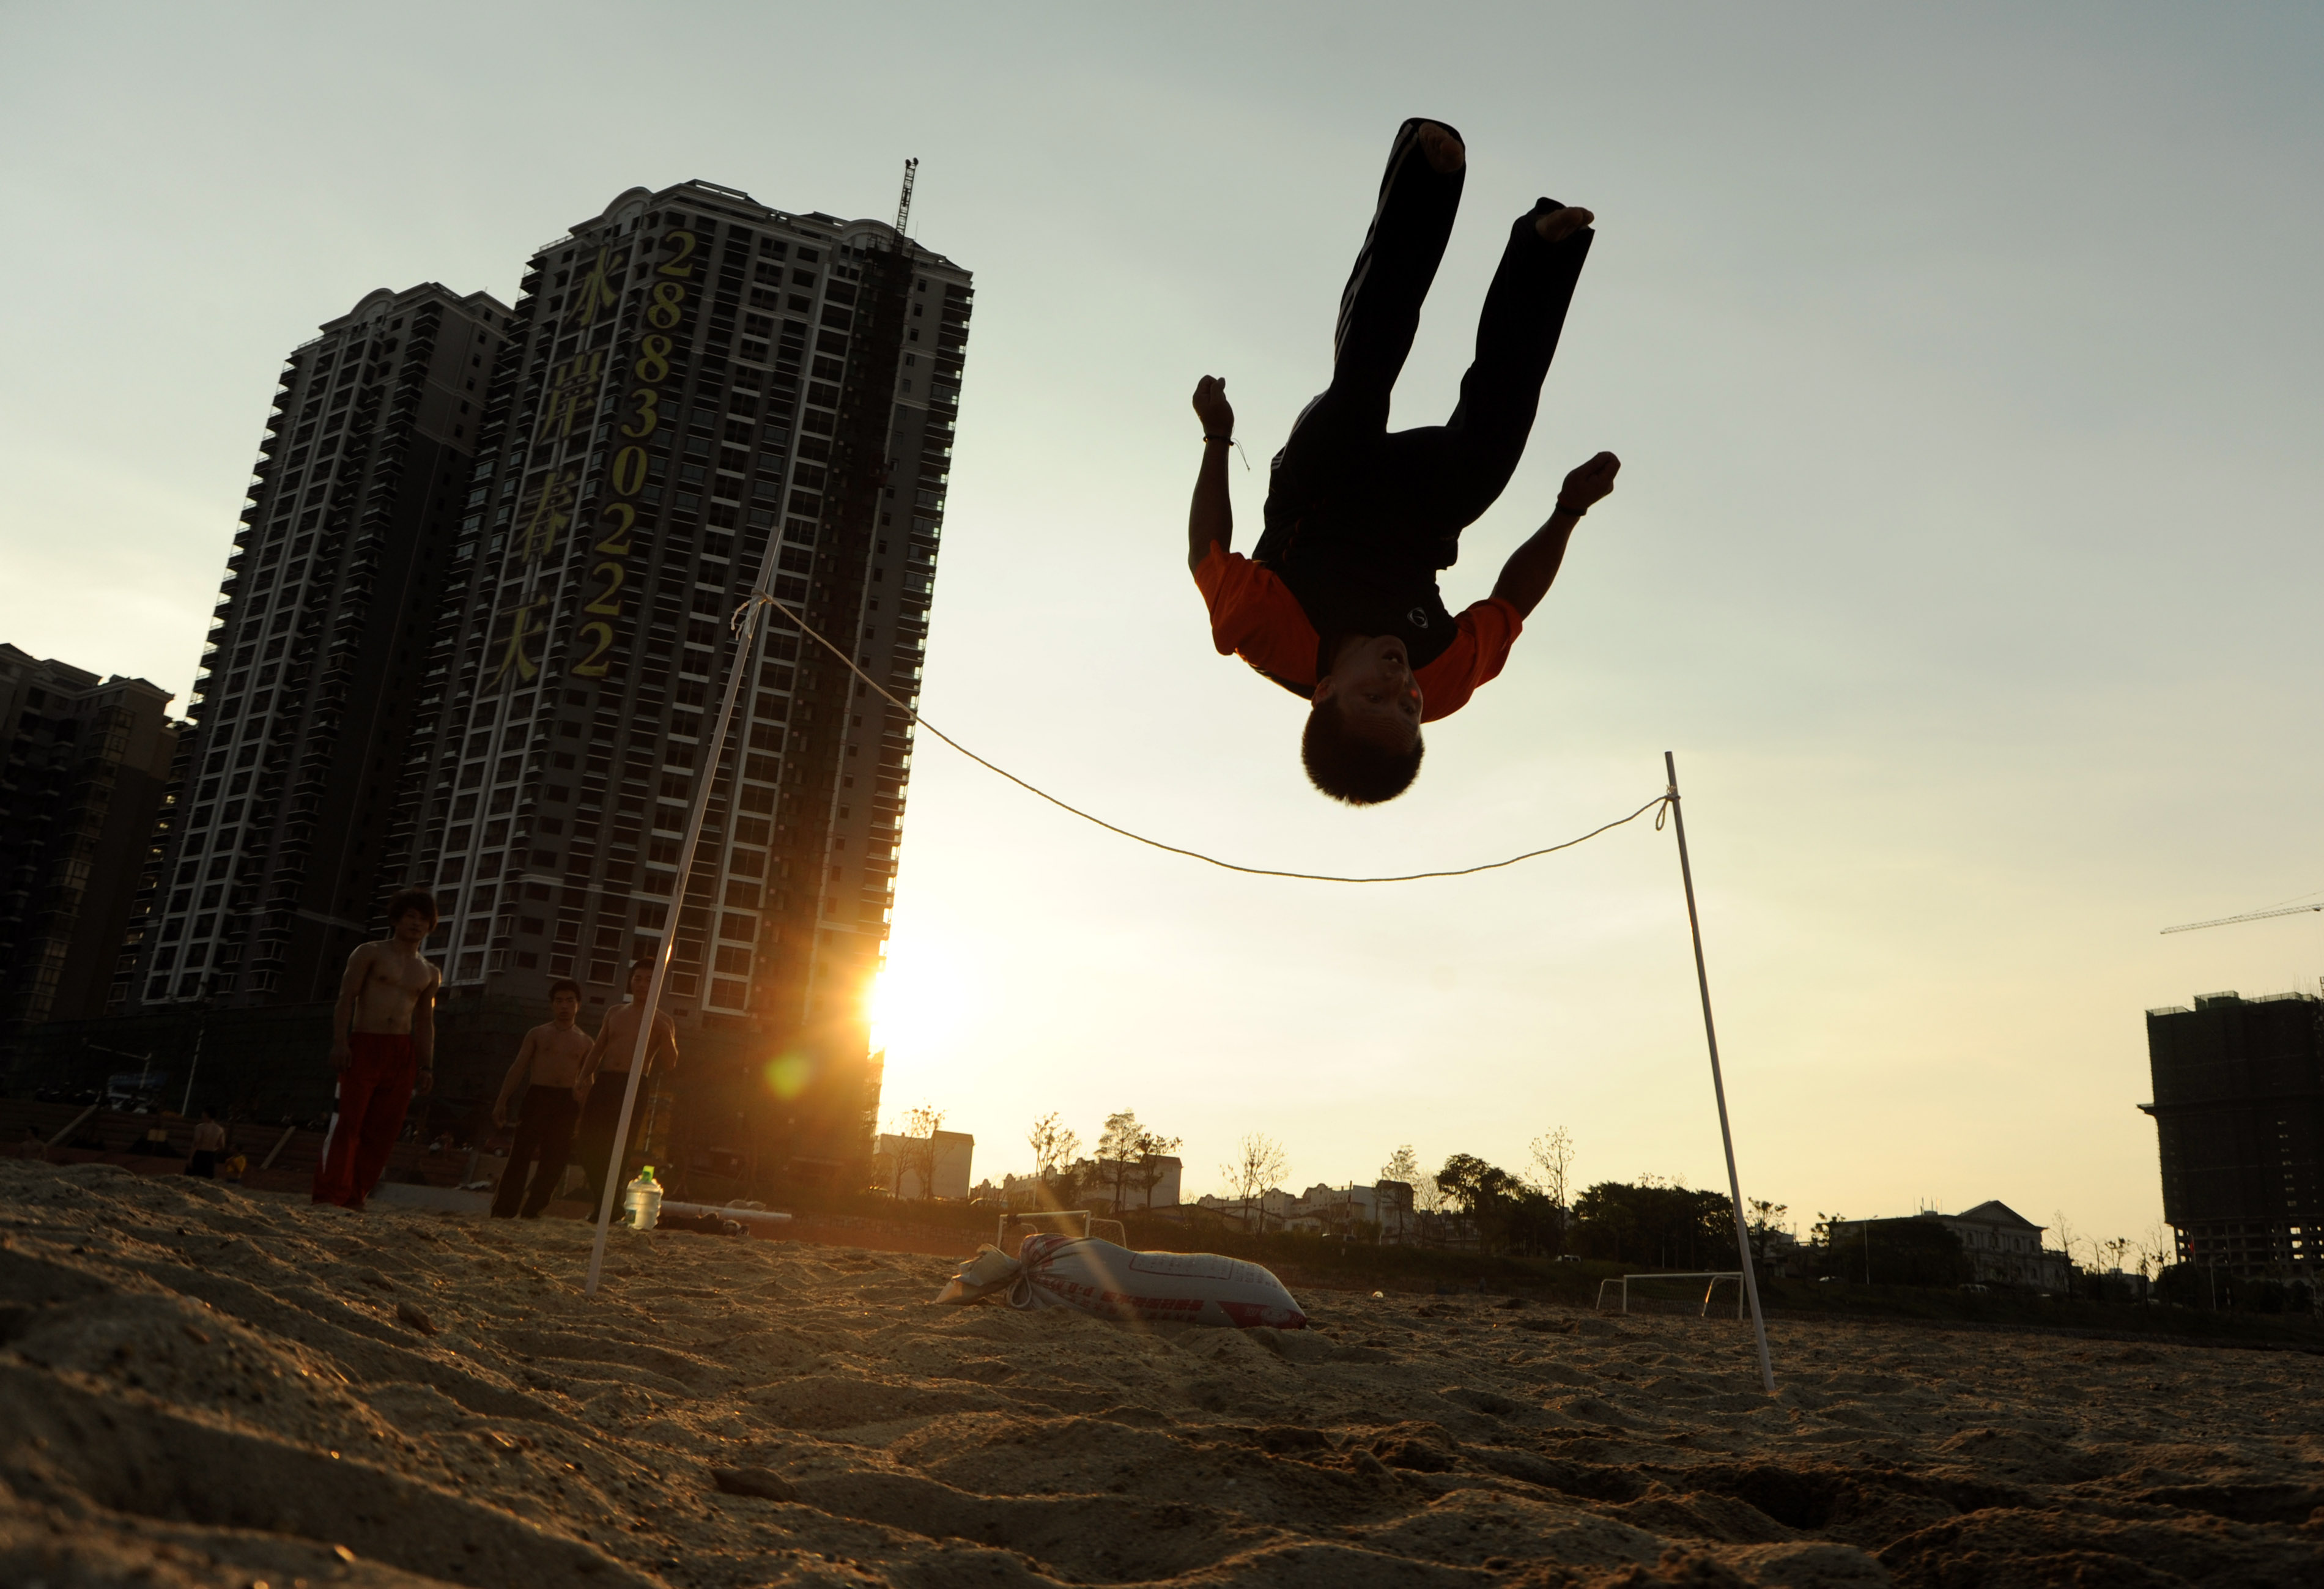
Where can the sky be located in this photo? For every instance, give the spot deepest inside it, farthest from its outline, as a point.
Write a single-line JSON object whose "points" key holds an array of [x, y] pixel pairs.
{"points": [[1964, 369]]}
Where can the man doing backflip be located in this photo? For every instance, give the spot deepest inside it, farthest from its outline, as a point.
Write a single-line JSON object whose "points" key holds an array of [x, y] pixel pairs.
{"points": [[1338, 603], [539, 1088], [383, 1047]]}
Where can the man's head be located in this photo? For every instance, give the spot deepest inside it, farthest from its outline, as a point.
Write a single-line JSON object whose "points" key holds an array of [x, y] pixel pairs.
{"points": [[411, 914], [565, 1000], [641, 979], [1362, 743]]}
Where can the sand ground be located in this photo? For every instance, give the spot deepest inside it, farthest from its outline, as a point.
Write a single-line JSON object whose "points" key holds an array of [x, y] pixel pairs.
{"points": [[204, 1386]]}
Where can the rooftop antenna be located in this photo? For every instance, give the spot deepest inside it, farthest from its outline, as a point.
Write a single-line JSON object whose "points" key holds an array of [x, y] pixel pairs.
{"points": [[904, 204]]}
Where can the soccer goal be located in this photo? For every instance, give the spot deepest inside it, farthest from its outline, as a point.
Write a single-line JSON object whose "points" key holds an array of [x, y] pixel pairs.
{"points": [[1072, 1221], [1713, 1276]]}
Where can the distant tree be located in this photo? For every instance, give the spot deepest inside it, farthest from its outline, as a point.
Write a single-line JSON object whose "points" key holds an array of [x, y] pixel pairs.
{"points": [[1259, 1165], [2069, 1241], [1553, 1156], [1764, 1222], [1509, 1214], [1055, 1147], [1908, 1251], [1404, 1165], [2157, 1251], [1152, 1148], [1117, 1152], [916, 1152], [1654, 1221]]}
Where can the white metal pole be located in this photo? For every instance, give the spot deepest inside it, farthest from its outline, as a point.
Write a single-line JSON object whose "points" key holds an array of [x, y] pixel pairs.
{"points": [[186, 1104], [1718, 1087], [746, 625]]}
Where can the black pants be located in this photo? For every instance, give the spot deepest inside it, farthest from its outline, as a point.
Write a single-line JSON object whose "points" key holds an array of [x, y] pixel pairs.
{"points": [[544, 1131], [1346, 490], [595, 1138]]}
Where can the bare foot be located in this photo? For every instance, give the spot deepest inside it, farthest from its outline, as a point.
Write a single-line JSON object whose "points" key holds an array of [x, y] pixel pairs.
{"points": [[1559, 225], [1444, 152]]}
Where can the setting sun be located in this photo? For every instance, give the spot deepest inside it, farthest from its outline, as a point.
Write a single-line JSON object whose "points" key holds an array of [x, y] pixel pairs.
{"points": [[916, 1002]]}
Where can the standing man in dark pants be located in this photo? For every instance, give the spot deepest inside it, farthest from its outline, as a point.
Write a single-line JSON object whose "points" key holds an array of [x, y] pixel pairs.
{"points": [[606, 1077], [540, 1089], [1338, 602]]}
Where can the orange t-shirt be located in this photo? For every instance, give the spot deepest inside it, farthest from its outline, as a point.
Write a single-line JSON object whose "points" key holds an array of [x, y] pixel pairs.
{"points": [[1255, 616]]}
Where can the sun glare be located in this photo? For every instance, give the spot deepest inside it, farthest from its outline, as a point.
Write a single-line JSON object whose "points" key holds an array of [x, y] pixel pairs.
{"points": [[915, 1004]]}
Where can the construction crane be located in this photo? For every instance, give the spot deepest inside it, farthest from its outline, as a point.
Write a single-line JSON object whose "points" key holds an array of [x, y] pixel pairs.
{"points": [[2247, 916], [904, 205]]}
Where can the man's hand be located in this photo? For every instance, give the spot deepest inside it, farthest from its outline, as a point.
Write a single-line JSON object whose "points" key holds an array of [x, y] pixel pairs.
{"points": [[1212, 407], [1589, 484], [426, 1084], [343, 1054], [1531, 569], [500, 1115]]}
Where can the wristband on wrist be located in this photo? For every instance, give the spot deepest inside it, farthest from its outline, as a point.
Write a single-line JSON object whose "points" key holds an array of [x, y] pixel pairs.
{"points": [[1228, 441]]}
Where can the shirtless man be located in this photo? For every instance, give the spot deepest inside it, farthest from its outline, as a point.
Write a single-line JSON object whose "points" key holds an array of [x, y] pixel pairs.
{"points": [[383, 1047], [209, 1142], [545, 1070], [600, 1110]]}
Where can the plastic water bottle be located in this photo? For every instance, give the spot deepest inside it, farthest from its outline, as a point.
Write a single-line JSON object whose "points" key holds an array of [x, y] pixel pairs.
{"points": [[643, 1200]]}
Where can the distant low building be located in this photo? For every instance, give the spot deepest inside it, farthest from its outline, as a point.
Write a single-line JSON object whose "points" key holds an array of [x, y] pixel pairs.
{"points": [[2003, 1246], [1272, 1209], [898, 1163], [1113, 1186]]}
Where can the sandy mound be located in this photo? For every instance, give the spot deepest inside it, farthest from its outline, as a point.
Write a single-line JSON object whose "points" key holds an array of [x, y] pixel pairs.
{"points": [[204, 1386]]}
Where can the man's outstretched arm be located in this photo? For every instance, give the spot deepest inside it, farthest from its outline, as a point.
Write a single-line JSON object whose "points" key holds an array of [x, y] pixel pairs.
{"points": [[1532, 568], [1212, 518]]}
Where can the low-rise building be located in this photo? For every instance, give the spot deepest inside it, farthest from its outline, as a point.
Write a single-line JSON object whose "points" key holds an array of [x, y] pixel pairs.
{"points": [[2003, 1246], [914, 1167]]}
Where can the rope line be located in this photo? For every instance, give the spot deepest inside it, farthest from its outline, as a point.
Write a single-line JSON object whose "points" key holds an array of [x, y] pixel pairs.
{"points": [[1660, 801]]}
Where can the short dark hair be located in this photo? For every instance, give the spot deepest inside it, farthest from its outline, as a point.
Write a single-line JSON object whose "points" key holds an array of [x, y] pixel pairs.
{"points": [[563, 984], [413, 899], [1350, 767]]}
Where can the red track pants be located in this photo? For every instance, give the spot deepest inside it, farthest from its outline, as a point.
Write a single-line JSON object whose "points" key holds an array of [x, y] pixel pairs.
{"points": [[374, 1091]]}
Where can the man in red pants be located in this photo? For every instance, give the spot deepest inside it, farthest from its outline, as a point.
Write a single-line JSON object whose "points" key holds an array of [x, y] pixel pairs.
{"points": [[383, 1047]]}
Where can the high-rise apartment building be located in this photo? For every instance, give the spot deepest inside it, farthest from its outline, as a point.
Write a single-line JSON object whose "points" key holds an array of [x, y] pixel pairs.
{"points": [[266, 873], [692, 383], [2239, 1120], [83, 764]]}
